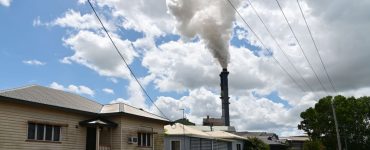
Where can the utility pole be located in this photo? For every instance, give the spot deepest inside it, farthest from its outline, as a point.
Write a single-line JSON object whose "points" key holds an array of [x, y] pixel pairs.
{"points": [[336, 124], [183, 127]]}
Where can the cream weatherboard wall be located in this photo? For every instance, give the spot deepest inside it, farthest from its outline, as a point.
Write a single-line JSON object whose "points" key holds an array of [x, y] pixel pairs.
{"points": [[131, 125], [14, 122]]}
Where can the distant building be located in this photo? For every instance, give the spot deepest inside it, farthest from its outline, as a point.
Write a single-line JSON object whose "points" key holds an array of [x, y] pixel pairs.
{"points": [[36, 117], [213, 121], [295, 142], [268, 138], [215, 128], [182, 137]]}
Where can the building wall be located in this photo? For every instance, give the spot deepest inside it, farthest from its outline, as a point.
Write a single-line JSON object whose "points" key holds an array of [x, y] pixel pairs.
{"points": [[193, 143], [14, 124], [237, 142], [169, 139], [130, 126]]}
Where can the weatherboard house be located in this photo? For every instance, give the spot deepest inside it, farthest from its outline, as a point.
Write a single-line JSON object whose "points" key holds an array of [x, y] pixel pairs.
{"points": [[36, 117]]}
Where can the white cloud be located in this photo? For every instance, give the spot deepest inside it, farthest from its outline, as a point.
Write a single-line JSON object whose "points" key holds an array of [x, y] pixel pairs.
{"points": [[34, 62], [82, 1], [5, 3], [135, 96], [96, 52], [37, 22], [247, 112], [81, 89], [341, 32], [179, 66], [65, 60], [150, 17], [337, 39], [108, 91], [114, 80], [120, 100], [74, 19]]}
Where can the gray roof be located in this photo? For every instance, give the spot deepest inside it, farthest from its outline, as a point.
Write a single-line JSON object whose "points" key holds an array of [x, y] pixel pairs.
{"points": [[49, 96], [122, 107], [215, 128], [247, 133], [264, 136]]}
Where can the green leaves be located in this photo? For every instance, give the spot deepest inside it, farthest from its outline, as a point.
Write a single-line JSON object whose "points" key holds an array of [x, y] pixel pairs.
{"points": [[257, 144], [353, 117]]}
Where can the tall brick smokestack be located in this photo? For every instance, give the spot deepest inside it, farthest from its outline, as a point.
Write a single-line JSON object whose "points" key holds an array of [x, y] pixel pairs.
{"points": [[225, 96]]}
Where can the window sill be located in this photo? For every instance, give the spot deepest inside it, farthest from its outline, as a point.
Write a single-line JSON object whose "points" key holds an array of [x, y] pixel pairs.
{"points": [[145, 146], [56, 142]]}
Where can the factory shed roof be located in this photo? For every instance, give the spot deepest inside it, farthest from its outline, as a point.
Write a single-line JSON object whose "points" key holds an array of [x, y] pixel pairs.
{"points": [[224, 135], [180, 129]]}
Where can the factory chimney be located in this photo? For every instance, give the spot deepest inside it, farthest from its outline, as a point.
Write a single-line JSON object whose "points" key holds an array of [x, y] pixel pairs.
{"points": [[225, 97]]}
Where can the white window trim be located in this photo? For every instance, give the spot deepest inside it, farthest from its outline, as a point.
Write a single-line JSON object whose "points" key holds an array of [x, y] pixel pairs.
{"points": [[144, 135], [44, 134]]}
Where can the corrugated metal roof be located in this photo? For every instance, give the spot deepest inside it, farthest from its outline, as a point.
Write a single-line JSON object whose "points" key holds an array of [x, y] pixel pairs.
{"points": [[180, 129], [49, 96], [58, 98], [296, 138], [122, 107], [225, 135], [215, 128]]}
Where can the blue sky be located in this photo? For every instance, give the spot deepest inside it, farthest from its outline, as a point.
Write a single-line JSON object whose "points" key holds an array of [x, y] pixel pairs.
{"points": [[60, 44], [23, 41]]}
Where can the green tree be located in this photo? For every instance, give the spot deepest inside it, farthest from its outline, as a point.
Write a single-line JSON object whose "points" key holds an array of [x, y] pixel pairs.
{"points": [[185, 121], [257, 144], [353, 118], [313, 145]]}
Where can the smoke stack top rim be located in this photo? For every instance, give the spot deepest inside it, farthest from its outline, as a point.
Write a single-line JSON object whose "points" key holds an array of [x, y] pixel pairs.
{"points": [[224, 69]]}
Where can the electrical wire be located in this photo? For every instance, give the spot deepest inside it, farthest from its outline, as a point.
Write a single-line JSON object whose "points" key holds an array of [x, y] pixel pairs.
{"points": [[264, 46], [127, 65], [317, 50], [278, 45], [300, 46], [327, 75]]}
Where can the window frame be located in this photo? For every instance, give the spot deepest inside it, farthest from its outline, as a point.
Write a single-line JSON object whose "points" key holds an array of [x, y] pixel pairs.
{"points": [[44, 125], [148, 137], [238, 145], [175, 141]]}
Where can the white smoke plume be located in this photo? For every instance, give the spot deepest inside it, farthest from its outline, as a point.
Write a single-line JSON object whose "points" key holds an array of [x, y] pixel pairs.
{"points": [[212, 20]]}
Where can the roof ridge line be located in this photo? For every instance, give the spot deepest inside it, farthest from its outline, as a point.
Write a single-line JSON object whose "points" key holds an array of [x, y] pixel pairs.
{"points": [[144, 110], [137, 109], [18, 88]]}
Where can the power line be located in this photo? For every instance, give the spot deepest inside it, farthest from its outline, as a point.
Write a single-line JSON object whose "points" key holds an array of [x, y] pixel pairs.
{"points": [[263, 45], [300, 46], [129, 68], [317, 50], [327, 75], [273, 37]]}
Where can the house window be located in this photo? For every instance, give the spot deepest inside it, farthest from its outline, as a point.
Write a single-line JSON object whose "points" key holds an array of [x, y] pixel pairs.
{"points": [[144, 139], [175, 145], [238, 147], [43, 132]]}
